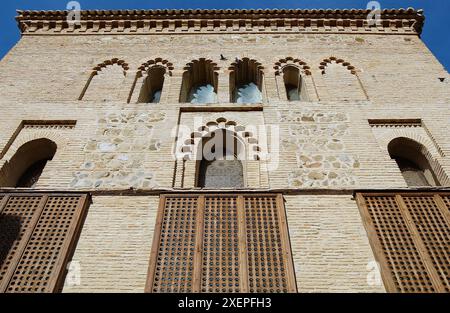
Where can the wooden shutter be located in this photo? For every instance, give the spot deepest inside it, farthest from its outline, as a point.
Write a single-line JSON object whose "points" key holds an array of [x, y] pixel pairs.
{"points": [[37, 237], [221, 243], [173, 256], [410, 236], [220, 256]]}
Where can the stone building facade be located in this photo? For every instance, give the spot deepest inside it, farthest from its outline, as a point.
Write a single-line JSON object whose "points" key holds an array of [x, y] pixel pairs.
{"points": [[111, 106]]}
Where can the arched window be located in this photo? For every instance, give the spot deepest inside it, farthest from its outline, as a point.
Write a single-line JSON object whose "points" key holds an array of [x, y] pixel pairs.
{"points": [[152, 85], [294, 84], [221, 164], [246, 81], [200, 82], [412, 162], [149, 81], [27, 165]]}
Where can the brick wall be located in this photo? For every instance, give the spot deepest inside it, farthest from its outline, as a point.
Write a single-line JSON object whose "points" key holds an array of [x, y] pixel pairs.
{"points": [[325, 144], [113, 251], [329, 245]]}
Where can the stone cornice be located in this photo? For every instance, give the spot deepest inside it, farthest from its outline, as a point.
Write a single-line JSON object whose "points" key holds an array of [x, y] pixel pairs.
{"points": [[220, 21]]}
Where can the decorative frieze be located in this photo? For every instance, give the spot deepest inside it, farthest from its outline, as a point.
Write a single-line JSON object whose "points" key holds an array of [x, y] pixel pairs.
{"points": [[218, 21]]}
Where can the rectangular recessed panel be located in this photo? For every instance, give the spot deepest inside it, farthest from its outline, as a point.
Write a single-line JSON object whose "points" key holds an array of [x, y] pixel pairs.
{"points": [[175, 258], [434, 231], [37, 236], [220, 263], [406, 265], [266, 268]]}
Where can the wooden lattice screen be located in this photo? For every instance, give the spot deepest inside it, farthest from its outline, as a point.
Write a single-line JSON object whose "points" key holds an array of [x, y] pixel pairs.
{"points": [[410, 237], [37, 237], [221, 243]]}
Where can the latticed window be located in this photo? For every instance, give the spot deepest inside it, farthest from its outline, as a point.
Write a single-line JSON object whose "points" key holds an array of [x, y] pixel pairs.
{"points": [[410, 235], [38, 233], [221, 174], [221, 243]]}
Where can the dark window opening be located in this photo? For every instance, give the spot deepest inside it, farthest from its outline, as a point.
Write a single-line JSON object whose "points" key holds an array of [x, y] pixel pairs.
{"points": [[32, 174], [411, 159], [412, 173], [294, 84], [152, 86], [26, 166]]}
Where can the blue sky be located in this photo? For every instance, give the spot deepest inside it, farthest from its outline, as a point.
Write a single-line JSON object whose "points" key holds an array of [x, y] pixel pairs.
{"points": [[436, 33]]}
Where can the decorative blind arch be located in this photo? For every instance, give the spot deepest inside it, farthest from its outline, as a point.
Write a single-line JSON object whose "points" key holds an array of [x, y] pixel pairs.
{"points": [[100, 69], [339, 85], [326, 62]]}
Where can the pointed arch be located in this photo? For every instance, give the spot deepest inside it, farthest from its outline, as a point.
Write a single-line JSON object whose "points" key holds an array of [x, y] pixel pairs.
{"points": [[246, 81], [200, 82], [150, 79], [342, 80], [27, 164], [108, 68]]}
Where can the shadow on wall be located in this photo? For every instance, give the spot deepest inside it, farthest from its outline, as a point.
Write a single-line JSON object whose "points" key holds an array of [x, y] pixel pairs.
{"points": [[27, 164], [9, 232]]}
